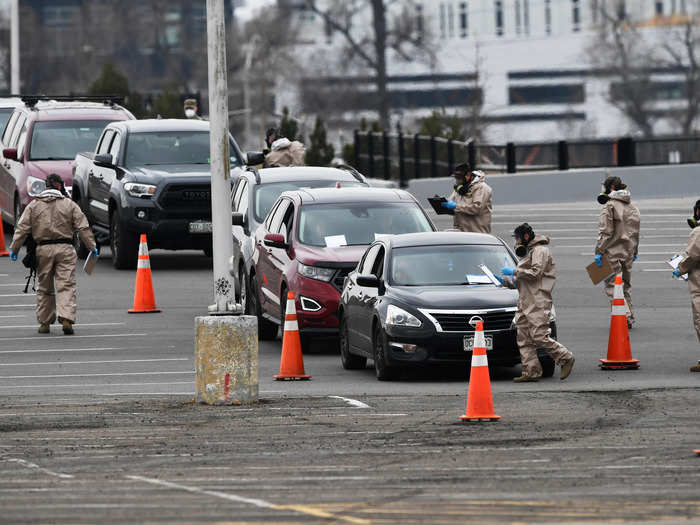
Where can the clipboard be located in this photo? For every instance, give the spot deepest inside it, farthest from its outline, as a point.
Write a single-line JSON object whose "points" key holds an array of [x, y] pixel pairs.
{"points": [[436, 203], [598, 274], [674, 261], [90, 263]]}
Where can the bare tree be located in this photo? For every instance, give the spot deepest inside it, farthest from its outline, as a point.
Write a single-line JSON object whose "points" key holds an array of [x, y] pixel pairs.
{"points": [[680, 51], [393, 29], [618, 49]]}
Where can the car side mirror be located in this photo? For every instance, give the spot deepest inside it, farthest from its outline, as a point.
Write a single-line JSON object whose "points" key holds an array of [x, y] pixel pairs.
{"points": [[238, 219], [103, 160], [10, 153], [253, 158], [275, 240], [368, 281]]}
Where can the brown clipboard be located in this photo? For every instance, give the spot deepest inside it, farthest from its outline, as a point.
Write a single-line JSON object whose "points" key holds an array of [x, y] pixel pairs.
{"points": [[598, 274]]}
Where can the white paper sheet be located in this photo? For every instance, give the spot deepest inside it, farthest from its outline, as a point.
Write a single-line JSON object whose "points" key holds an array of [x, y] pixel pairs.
{"points": [[333, 241], [490, 274], [478, 279], [674, 261]]}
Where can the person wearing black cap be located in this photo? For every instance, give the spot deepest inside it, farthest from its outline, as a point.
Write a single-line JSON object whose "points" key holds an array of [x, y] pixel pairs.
{"points": [[471, 200], [618, 237], [691, 265], [52, 219]]}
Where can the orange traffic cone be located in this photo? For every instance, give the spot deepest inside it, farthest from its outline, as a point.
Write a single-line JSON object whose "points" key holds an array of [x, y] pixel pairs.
{"points": [[144, 299], [292, 362], [3, 251], [697, 452], [479, 400], [619, 348]]}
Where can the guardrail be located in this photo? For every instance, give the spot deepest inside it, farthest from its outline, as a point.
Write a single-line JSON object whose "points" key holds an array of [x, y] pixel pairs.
{"points": [[395, 156]]}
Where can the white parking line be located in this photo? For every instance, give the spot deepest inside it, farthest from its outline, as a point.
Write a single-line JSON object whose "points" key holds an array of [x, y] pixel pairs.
{"points": [[42, 337], [669, 270], [102, 385], [93, 349], [18, 284], [8, 316], [96, 375], [352, 402], [29, 294], [31, 465], [77, 325], [97, 362], [33, 305]]}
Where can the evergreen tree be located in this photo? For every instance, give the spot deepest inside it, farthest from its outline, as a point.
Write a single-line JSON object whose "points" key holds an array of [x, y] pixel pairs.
{"points": [[112, 82], [168, 105], [289, 127], [320, 152]]}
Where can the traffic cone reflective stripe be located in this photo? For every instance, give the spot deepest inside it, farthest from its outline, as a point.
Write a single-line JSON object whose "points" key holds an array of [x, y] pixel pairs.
{"points": [[3, 251], [619, 347], [292, 360], [479, 399], [144, 298]]}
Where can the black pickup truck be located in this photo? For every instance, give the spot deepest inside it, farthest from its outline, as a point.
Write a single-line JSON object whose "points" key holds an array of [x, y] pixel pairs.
{"points": [[152, 177]]}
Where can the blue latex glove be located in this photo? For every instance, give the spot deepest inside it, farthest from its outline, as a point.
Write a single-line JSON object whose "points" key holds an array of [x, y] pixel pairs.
{"points": [[507, 271], [599, 260], [676, 272], [500, 279], [450, 205], [94, 252], [13, 256], [635, 257]]}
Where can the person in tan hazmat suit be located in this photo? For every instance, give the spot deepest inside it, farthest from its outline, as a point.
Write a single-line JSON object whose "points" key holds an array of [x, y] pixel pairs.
{"points": [[51, 219], [618, 237], [471, 201], [282, 151], [690, 264], [534, 279]]}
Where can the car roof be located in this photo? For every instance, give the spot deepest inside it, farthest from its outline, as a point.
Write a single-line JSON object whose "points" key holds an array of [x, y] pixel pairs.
{"points": [[355, 194], [300, 173], [406, 240], [170, 124], [10, 102], [44, 110]]}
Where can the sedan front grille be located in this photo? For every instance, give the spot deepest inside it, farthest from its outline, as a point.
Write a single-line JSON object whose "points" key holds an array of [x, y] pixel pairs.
{"points": [[458, 321]]}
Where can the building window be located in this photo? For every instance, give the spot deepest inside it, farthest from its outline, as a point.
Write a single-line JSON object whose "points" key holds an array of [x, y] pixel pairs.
{"points": [[499, 17], [526, 17], [554, 94], [576, 15], [548, 17], [443, 21], [451, 20], [518, 18], [463, 20], [659, 8]]}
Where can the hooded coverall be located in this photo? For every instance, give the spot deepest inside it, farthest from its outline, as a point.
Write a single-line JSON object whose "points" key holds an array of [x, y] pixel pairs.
{"points": [[473, 211], [618, 239], [534, 279], [284, 152], [691, 266], [49, 218]]}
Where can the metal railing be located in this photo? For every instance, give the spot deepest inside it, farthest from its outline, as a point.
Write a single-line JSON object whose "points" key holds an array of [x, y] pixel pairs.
{"points": [[400, 157]]}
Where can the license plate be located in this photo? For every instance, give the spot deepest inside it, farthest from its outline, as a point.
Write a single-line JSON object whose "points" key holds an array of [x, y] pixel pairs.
{"points": [[469, 342], [200, 227]]}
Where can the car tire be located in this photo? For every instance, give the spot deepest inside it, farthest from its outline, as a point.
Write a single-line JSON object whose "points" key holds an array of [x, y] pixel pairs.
{"points": [[267, 330], [124, 244], [382, 370], [547, 364], [348, 360]]}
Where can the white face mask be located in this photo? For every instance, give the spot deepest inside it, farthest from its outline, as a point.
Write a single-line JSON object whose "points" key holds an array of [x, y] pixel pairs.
{"points": [[189, 113]]}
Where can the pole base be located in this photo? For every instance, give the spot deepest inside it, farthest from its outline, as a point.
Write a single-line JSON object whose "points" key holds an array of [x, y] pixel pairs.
{"points": [[291, 378], [472, 419], [606, 364]]}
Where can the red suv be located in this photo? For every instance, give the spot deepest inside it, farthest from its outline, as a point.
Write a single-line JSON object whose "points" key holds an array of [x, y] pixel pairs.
{"points": [[311, 240], [43, 137]]}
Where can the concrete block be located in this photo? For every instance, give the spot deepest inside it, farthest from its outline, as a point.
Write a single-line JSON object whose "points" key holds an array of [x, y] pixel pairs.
{"points": [[226, 359]]}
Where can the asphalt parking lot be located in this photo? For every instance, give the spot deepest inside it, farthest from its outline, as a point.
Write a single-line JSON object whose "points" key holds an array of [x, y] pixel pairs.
{"points": [[101, 423]]}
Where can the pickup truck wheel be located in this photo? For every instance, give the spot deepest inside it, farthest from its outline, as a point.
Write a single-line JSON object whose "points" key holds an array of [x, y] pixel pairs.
{"points": [[124, 245], [80, 249], [267, 330]]}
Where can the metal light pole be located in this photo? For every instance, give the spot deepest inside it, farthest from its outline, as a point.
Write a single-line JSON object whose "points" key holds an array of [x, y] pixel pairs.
{"points": [[224, 287], [14, 47]]}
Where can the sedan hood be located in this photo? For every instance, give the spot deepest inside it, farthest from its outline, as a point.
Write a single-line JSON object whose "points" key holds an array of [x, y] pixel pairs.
{"points": [[317, 255], [43, 168], [455, 297]]}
